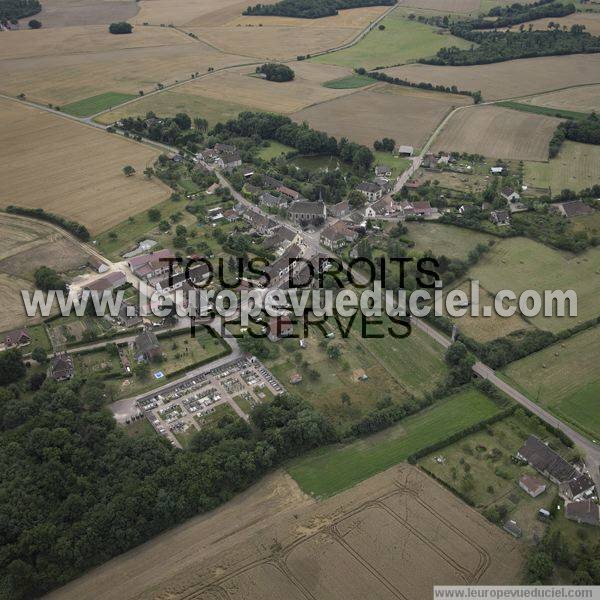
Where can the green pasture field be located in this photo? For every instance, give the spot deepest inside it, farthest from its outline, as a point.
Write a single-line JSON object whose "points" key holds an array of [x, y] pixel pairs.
{"points": [[565, 379], [273, 150], [544, 110], [400, 42], [576, 167], [397, 164], [95, 104], [520, 264], [331, 470]]}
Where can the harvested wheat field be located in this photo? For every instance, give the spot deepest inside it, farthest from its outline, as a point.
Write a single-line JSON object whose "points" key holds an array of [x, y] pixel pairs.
{"points": [[70, 77], [590, 20], [25, 245], [498, 133], [83, 164], [447, 6], [405, 114], [366, 542], [190, 12], [273, 43], [69, 13], [512, 78], [260, 94], [582, 99], [93, 38]]}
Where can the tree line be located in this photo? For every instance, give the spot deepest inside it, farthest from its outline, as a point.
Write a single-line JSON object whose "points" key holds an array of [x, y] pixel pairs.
{"points": [[77, 229], [311, 9], [507, 16], [13, 10]]}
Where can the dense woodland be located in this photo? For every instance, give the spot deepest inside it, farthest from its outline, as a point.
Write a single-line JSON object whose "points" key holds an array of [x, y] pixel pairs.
{"points": [[75, 490], [311, 9], [586, 131], [12, 10], [499, 46], [507, 16], [276, 72]]}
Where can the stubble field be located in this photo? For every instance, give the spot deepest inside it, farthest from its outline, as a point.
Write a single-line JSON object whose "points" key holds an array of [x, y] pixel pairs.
{"points": [[84, 166], [407, 115], [452, 6], [583, 99], [498, 133], [367, 541], [511, 78]]}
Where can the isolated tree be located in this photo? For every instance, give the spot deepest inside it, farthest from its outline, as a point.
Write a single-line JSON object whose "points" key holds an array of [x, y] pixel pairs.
{"points": [[200, 124], [128, 170], [149, 172], [39, 354], [120, 27], [154, 215], [34, 24]]}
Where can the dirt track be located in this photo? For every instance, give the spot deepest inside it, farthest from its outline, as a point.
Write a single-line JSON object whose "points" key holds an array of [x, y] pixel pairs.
{"points": [[274, 542]]}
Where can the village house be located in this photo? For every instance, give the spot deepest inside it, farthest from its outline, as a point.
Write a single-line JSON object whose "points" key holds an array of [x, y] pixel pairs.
{"points": [[340, 210], [510, 195], [421, 208], [17, 338], [289, 192], [211, 189], [500, 217], [271, 182], [61, 367], [129, 315], [574, 208], [404, 150], [231, 215], [229, 160], [268, 200], [384, 184], [370, 190], [429, 161], [107, 283], [147, 347], [280, 327], [259, 222], [281, 238], [151, 265], [279, 270], [305, 211], [383, 171], [195, 276], [578, 488], [337, 235], [381, 208], [533, 486], [546, 461], [586, 511]]}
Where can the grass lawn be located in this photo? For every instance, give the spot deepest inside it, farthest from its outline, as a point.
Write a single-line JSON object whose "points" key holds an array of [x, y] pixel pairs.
{"points": [[39, 339], [397, 164], [170, 102], [565, 379], [454, 242], [350, 82], [95, 104], [219, 411], [544, 110], [480, 468], [401, 41], [520, 264], [273, 150], [394, 367], [576, 167], [328, 471]]}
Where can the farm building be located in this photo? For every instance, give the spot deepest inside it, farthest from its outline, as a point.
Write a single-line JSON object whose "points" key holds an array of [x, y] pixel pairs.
{"points": [[382, 207], [383, 171], [404, 150], [268, 200], [544, 460], [575, 208], [417, 209], [150, 265], [340, 210], [98, 265], [281, 238], [17, 338], [586, 511], [512, 528], [62, 367], [259, 222], [289, 192], [533, 486], [108, 282], [147, 346], [195, 276], [229, 160]]}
